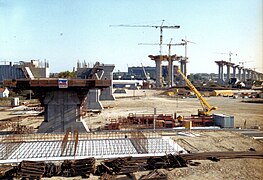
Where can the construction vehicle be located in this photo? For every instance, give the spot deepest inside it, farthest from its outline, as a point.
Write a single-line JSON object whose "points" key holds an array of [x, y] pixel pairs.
{"points": [[207, 108]]}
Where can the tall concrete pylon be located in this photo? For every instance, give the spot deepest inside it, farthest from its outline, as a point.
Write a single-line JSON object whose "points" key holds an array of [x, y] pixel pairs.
{"points": [[220, 70]]}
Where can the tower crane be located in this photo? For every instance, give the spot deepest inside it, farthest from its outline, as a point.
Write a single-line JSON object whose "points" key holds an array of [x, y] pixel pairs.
{"points": [[161, 27], [229, 54], [185, 42], [207, 108], [244, 62]]}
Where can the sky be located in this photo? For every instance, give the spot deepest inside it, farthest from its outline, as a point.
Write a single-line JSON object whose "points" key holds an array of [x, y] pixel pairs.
{"points": [[63, 32]]}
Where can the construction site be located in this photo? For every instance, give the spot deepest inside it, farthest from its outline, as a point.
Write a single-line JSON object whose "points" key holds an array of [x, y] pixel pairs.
{"points": [[84, 128], [147, 123]]}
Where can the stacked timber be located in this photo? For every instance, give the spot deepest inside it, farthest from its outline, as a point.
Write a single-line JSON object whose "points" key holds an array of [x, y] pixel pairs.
{"points": [[31, 170], [81, 167]]}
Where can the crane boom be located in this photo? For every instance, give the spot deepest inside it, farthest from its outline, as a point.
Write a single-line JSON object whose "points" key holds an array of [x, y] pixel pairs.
{"points": [[145, 74], [207, 108], [153, 26], [168, 27]]}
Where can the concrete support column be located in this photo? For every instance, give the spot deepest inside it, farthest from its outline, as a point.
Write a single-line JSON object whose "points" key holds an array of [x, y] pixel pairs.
{"points": [[62, 112], [244, 75], [107, 94], [183, 69], [182, 66], [227, 73], [252, 75], [158, 69], [93, 102], [248, 74], [170, 73], [256, 76], [221, 72], [239, 73], [234, 71]]}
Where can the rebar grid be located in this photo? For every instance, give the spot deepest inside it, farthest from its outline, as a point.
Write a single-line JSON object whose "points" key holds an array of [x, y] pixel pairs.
{"points": [[86, 144]]}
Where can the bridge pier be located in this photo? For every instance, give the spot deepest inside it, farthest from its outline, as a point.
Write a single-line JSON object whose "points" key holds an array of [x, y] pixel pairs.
{"points": [[62, 111], [63, 100]]}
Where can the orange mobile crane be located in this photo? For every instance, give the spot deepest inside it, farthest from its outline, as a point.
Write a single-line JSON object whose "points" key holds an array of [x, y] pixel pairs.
{"points": [[207, 108]]}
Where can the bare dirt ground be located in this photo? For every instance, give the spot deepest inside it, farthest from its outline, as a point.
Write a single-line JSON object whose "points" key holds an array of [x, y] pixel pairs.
{"points": [[144, 101]]}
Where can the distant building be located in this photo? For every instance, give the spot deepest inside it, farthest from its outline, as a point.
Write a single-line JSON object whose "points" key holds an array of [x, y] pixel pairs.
{"points": [[4, 92], [129, 84], [24, 70], [138, 73]]}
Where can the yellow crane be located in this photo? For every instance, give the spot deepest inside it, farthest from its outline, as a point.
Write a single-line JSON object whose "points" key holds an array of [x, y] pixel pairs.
{"points": [[207, 108]]}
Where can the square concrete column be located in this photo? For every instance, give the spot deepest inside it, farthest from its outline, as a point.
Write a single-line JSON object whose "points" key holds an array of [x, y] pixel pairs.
{"points": [[92, 101], [185, 73], [170, 73], [221, 72], [227, 73], [62, 112], [106, 93], [244, 75], [249, 74], [158, 69], [239, 73], [234, 71]]}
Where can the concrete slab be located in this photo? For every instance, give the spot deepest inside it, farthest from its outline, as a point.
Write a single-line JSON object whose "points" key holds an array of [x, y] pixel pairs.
{"points": [[98, 148]]}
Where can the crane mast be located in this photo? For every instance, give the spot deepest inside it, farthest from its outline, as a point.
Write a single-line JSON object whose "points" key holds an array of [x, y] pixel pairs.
{"points": [[207, 108]]}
